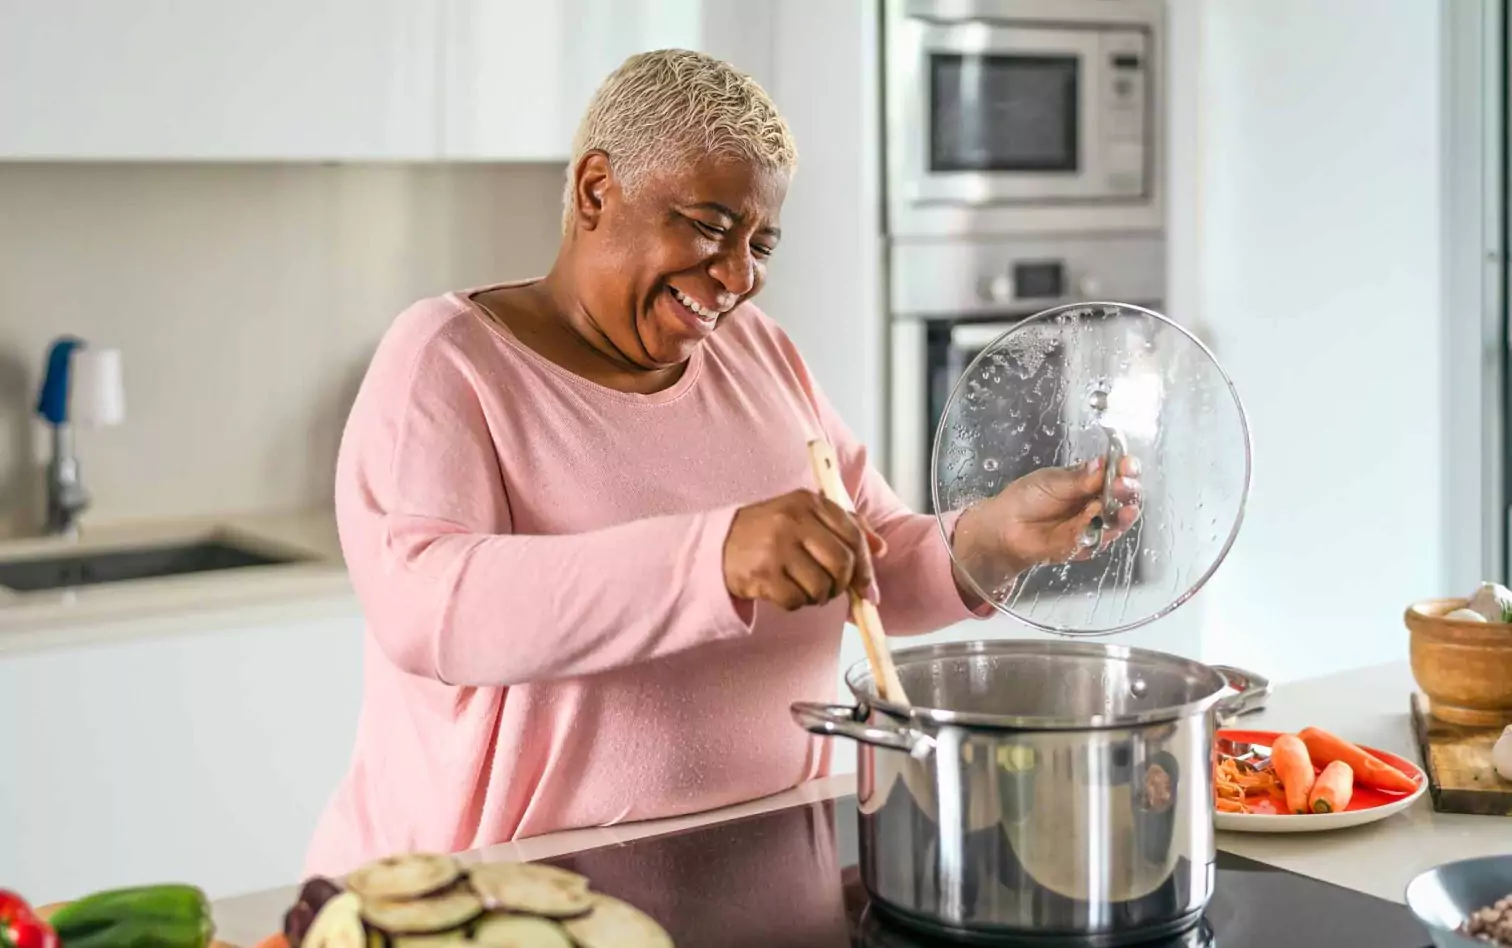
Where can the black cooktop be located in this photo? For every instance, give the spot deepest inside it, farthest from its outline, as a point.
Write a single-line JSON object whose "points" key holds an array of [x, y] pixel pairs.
{"points": [[788, 879]]}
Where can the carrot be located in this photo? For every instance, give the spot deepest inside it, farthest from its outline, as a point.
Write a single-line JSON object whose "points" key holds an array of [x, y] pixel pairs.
{"points": [[1333, 788], [1293, 764], [1368, 769]]}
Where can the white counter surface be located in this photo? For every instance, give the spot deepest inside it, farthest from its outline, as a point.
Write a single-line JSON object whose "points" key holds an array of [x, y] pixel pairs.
{"points": [[316, 581], [1369, 706]]}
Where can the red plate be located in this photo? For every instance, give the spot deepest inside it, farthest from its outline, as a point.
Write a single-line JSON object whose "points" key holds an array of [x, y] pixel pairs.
{"points": [[1363, 798]]}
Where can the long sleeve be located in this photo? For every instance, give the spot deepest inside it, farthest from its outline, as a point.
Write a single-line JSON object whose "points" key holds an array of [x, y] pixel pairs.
{"points": [[453, 593], [915, 577]]}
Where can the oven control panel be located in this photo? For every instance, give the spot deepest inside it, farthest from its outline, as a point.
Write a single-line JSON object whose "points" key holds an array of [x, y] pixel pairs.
{"points": [[946, 279]]}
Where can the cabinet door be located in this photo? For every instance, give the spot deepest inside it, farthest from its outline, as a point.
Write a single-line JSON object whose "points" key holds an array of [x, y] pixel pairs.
{"points": [[218, 79], [204, 757], [517, 74]]}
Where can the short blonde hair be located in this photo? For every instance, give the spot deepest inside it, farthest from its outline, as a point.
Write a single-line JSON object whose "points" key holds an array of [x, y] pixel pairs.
{"points": [[675, 105]]}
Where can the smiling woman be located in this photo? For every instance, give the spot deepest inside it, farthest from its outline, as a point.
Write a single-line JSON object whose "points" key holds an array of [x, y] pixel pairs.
{"points": [[579, 514]]}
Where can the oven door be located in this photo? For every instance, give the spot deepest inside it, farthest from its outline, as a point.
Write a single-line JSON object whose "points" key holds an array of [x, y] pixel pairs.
{"points": [[951, 347], [993, 113], [948, 348]]}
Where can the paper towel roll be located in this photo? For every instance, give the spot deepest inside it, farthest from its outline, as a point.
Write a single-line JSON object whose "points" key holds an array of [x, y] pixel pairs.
{"points": [[98, 395]]}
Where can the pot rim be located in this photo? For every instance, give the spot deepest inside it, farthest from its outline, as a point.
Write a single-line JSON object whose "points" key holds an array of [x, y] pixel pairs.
{"points": [[1218, 676]]}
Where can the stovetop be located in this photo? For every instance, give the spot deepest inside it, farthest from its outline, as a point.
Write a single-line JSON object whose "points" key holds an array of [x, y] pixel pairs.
{"points": [[788, 879]]}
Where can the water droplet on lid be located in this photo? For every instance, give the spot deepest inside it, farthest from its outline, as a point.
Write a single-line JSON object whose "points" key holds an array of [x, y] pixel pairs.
{"points": [[990, 464], [1138, 688]]}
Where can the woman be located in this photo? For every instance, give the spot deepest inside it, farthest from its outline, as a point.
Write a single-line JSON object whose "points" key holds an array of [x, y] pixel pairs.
{"points": [[578, 510]]}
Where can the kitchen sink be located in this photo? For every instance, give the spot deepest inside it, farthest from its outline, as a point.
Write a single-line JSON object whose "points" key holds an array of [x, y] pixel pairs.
{"points": [[145, 562]]}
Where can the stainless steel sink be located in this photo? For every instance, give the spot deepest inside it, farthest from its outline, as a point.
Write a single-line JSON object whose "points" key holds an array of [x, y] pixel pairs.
{"points": [[144, 562]]}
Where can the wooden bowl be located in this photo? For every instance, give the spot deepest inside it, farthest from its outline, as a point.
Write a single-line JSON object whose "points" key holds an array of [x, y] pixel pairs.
{"points": [[1463, 666]]}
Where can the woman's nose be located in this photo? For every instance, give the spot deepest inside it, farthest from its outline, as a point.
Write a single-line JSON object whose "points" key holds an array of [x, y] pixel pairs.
{"points": [[735, 270]]}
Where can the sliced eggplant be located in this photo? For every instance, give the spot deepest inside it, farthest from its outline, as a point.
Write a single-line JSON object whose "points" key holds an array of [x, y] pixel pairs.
{"points": [[456, 938], [498, 930], [313, 895], [437, 913], [615, 924], [405, 876], [531, 888], [338, 924]]}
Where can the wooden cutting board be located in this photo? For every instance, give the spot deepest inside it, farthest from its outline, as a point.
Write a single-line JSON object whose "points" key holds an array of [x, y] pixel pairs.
{"points": [[1458, 762]]}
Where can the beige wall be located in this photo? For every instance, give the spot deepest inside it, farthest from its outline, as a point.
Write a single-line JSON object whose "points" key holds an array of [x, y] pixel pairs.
{"points": [[246, 301]]}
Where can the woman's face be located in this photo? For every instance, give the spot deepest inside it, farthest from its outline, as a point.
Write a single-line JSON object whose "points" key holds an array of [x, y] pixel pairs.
{"points": [[662, 264]]}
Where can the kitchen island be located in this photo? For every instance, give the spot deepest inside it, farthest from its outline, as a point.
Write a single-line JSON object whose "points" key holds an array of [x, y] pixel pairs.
{"points": [[1368, 705]]}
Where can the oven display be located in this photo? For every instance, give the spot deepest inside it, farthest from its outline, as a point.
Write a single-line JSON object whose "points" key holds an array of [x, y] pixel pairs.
{"points": [[1040, 280], [1003, 113]]}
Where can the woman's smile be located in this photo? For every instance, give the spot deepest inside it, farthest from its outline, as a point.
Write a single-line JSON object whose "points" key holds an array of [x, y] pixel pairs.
{"points": [[696, 316]]}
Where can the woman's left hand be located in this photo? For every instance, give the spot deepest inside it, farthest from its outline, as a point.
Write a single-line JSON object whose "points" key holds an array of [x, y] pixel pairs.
{"points": [[1041, 518]]}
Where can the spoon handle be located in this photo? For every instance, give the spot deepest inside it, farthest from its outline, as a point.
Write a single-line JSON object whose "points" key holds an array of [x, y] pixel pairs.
{"points": [[863, 613]]}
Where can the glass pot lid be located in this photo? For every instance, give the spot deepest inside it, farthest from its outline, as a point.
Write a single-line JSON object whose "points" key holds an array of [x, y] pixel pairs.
{"points": [[1081, 381]]}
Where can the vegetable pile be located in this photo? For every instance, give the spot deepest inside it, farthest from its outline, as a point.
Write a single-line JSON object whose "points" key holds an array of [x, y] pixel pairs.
{"points": [[155, 916], [1311, 771], [429, 900]]}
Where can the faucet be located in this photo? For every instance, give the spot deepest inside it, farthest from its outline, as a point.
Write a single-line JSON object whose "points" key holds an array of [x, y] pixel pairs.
{"points": [[94, 382]]}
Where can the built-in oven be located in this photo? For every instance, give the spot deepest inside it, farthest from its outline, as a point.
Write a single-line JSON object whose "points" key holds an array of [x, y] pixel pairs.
{"points": [[1022, 115]]}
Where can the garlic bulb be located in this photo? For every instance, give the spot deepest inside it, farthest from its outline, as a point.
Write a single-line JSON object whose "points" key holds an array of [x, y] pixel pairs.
{"points": [[1469, 615], [1493, 601], [1501, 753]]}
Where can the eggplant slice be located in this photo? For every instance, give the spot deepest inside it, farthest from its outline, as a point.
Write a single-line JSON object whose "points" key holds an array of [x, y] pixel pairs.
{"points": [[531, 889], [338, 924], [438, 913], [405, 876], [456, 938], [519, 931], [615, 924]]}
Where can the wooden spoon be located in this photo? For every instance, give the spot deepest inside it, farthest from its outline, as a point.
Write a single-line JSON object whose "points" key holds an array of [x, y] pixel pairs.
{"points": [[863, 613]]}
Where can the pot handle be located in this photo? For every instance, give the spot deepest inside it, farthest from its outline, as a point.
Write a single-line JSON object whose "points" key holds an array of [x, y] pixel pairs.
{"points": [[839, 720], [1253, 690]]}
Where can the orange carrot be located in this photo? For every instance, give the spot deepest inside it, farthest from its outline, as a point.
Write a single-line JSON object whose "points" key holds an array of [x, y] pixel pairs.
{"points": [[1293, 765], [1369, 770], [1333, 788]]}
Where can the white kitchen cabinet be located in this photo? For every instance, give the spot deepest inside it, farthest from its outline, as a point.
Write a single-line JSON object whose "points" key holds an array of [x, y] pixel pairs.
{"points": [[205, 756], [219, 79], [332, 80], [518, 74]]}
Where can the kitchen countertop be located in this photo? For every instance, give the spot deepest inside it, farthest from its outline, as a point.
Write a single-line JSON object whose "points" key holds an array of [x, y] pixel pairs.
{"points": [[316, 583], [1368, 705]]}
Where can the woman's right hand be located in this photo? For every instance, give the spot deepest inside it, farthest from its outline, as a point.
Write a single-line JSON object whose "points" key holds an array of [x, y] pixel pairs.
{"points": [[799, 549]]}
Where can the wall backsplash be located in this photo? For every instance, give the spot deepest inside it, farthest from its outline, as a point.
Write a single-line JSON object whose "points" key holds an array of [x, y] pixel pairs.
{"points": [[246, 301]]}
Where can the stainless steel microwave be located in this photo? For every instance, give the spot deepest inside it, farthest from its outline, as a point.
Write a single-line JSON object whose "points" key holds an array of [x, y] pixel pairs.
{"points": [[1022, 115]]}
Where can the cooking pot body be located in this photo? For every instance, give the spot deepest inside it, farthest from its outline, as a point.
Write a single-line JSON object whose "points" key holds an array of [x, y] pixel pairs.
{"points": [[1098, 835], [1042, 832]]}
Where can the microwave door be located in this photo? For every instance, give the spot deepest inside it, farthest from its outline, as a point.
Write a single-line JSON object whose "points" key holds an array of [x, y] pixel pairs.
{"points": [[1001, 114]]}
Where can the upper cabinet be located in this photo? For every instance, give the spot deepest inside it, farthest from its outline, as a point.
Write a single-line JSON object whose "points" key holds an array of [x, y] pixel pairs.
{"points": [[218, 79], [331, 80], [518, 73]]}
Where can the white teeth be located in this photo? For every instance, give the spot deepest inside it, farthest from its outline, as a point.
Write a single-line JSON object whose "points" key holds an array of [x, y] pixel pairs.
{"points": [[693, 304]]}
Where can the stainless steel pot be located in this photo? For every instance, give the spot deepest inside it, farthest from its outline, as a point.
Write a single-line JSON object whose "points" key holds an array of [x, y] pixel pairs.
{"points": [[1042, 790]]}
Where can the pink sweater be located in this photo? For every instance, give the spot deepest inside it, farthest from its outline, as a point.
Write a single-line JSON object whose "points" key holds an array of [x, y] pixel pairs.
{"points": [[550, 644]]}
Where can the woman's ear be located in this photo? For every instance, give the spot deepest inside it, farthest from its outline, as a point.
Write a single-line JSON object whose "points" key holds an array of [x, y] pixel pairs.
{"points": [[591, 183]]}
